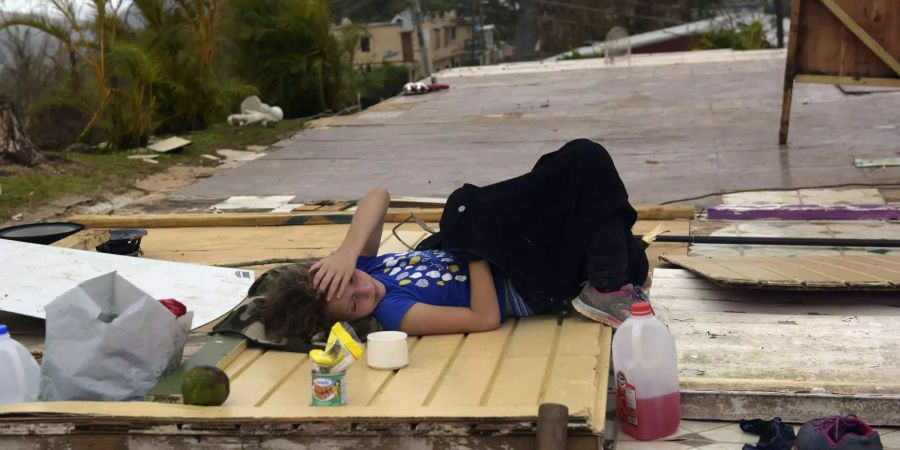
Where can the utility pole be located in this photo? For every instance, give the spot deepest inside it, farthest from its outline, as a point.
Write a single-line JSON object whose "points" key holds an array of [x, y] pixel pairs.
{"points": [[779, 19], [416, 11], [481, 43]]}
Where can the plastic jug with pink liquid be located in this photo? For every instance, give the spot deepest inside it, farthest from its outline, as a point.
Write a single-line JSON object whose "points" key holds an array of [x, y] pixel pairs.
{"points": [[646, 366]]}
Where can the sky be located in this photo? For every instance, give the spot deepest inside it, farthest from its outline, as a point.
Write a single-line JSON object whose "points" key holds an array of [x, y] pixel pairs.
{"points": [[40, 5]]}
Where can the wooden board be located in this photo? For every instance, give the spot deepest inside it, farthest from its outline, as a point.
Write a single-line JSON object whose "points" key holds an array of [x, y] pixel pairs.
{"points": [[318, 217], [27, 286], [85, 239], [521, 365], [750, 346], [828, 46], [881, 272], [841, 42]]}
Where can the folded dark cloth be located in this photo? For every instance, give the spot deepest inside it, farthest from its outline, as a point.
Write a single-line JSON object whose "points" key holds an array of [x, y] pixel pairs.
{"points": [[773, 434]]}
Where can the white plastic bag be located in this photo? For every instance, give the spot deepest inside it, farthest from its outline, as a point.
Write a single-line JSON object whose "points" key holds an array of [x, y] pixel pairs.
{"points": [[108, 340]]}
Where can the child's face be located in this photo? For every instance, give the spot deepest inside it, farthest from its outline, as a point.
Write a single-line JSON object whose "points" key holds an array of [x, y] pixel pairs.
{"points": [[360, 298]]}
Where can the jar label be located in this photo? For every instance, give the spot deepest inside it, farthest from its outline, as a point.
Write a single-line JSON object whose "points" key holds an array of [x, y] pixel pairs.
{"points": [[626, 400]]}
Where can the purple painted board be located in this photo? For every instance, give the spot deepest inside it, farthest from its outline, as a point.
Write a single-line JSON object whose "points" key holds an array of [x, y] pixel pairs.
{"points": [[805, 212]]}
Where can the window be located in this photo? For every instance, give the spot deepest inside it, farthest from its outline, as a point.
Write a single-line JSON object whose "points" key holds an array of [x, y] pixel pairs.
{"points": [[365, 45], [453, 33], [437, 38]]}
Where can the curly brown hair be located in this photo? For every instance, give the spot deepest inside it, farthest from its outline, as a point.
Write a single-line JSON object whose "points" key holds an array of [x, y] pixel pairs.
{"points": [[291, 307]]}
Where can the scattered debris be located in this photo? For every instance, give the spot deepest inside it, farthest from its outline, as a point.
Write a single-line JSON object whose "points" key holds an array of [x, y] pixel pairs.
{"points": [[168, 145], [253, 110], [545, 104], [212, 157], [234, 157], [651, 161], [877, 162], [18, 217], [253, 202], [146, 158], [419, 88], [257, 148]]}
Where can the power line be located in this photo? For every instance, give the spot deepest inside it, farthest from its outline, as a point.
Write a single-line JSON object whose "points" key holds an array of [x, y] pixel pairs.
{"points": [[607, 10], [573, 22]]}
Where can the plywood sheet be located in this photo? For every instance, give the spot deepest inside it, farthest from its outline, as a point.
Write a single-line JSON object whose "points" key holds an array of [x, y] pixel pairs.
{"points": [[828, 47], [522, 364], [31, 283], [814, 342], [798, 272]]}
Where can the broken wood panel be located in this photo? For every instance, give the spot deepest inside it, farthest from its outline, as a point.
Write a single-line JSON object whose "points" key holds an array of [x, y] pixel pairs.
{"points": [[825, 272], [783, 341], [264, 375], [829, 47], [428, 362], [471, 372], [891, 263], [809, 277], [574, 379], [738, 273], [523, 370], [855, 274]]}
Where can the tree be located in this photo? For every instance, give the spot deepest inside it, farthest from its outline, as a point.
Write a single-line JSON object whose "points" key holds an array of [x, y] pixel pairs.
{"points": [[14, 143], [287, 50]]}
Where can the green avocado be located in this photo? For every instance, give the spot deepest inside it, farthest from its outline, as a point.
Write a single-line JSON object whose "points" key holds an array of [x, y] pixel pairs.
{"points": [[205, 386]]}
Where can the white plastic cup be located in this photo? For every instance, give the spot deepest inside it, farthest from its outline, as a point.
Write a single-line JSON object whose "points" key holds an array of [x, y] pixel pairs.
{"points": [[387, 350]]}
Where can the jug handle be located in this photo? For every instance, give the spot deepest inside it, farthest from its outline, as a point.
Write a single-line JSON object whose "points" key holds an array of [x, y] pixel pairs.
{"points": [[636, 333]]}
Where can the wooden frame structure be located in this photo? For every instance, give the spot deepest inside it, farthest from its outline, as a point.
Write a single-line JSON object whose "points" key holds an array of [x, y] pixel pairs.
{"points": [[841, 42]]}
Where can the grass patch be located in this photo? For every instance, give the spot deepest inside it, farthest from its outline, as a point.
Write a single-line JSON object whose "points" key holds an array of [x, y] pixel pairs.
{"points": [[91, 174]]}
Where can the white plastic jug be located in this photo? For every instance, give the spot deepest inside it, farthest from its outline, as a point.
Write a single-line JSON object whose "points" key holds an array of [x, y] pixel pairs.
{"points": [[21, 377], [647, 398]]}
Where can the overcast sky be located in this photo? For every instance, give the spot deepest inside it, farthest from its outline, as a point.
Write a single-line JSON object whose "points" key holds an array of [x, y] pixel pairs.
{"points": [[42, 5]]}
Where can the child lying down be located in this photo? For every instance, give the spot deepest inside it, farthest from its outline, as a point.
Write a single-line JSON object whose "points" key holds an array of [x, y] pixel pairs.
{"points": [[554, 238]]}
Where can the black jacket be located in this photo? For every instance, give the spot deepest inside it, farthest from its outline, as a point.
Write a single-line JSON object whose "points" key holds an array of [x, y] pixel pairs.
{"points": [[537, 228]]}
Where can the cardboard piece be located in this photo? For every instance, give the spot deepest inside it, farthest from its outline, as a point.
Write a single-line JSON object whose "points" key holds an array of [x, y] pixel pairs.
{"points": [[36, 274], [870, 272], [170, 144]]}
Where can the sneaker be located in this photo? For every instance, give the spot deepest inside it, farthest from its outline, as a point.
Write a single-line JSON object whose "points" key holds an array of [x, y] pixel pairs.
{"points": [[608, 308], [837, 433]]}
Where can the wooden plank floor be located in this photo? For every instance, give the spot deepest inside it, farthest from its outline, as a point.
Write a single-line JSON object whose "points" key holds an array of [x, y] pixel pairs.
{"points": [[523, 363]]}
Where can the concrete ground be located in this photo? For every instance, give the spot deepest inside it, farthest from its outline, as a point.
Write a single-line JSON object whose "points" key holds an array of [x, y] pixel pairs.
{"points": [[678, 126]]}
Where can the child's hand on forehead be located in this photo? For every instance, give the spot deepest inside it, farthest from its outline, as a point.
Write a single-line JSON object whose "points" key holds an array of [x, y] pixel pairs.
{"points": [[331, 275]]}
